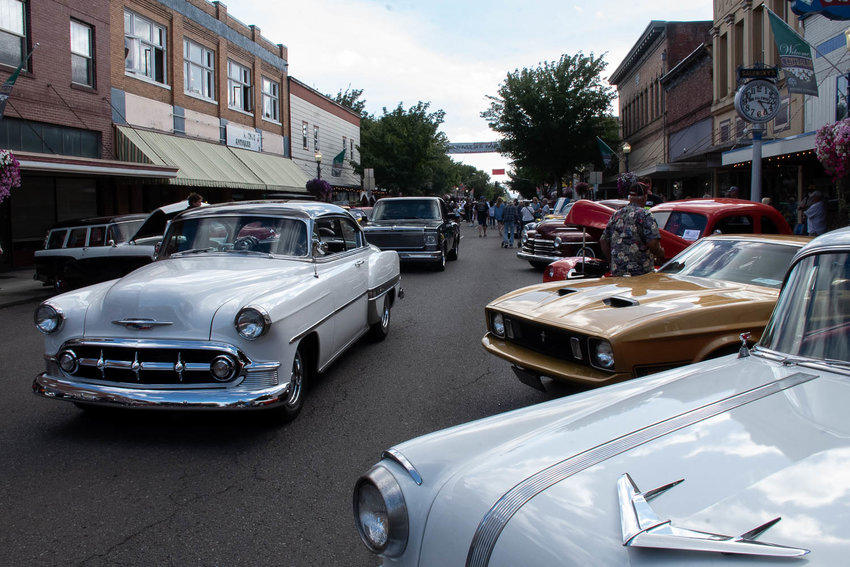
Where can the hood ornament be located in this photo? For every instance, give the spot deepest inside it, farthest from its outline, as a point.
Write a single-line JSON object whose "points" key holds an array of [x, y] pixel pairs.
{"points": [[141, 324], [643, 528]]}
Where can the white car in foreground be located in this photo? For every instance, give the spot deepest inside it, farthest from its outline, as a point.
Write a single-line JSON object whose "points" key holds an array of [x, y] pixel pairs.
{"points": [[244, 303], [740, 460]]}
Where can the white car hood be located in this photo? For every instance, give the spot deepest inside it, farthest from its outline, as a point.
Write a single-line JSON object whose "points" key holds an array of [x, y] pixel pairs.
{"points": [[551, 471], [188, 293]]}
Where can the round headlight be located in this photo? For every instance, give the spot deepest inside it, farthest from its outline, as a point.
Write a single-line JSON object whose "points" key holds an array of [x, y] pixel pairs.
{"points": [[431, 239], [252, 323], [222, 368], [381, 513], [48, 319], [68, 361], [602, 355], [558, 242], [499, 325]]}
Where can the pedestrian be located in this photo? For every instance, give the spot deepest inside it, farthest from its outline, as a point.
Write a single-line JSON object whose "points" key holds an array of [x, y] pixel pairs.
{"points": [[733, 193], [498, 214], [631, 238], [492, 215], [194, 200], [816, 214], [510, 216], [482, 209], [544, 208]]}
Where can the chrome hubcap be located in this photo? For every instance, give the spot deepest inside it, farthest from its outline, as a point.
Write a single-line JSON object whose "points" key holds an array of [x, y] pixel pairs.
{"points": [[296, 380]]}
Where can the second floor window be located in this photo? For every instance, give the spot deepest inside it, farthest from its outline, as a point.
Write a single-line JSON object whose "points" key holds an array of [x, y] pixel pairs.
{"points": [[13, 32], [239, 87], [144, 47], [82, 54], [271, 100], [198, 70], [315, 138], [304, 128]]}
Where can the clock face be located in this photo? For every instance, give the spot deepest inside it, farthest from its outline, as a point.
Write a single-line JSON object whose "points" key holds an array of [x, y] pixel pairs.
{"points": [[758, 101]]}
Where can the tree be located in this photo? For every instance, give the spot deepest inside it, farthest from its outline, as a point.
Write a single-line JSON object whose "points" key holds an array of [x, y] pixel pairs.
{"points": [[404, 147], [351, 99], [549, 116]]}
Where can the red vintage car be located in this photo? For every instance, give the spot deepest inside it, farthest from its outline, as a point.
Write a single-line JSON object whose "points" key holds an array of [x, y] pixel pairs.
{"points": [[681, 223]]}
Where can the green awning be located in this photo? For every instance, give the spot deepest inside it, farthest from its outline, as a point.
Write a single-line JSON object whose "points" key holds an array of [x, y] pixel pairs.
{"points": [[205, 164]]}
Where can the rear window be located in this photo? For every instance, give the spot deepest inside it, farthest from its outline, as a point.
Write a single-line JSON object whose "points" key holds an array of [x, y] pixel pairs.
{"points": [[56, 239], [735, 224], [768, 226]]}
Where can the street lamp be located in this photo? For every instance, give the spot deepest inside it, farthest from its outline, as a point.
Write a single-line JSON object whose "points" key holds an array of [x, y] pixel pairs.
{"points": [[627, 149], [318, 156]]}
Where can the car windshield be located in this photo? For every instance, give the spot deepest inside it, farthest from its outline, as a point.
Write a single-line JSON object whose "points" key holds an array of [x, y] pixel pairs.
{"points": [[740, 261], [249, 233], [122, 231], [810, 318], [688, 226], [426, 209]]}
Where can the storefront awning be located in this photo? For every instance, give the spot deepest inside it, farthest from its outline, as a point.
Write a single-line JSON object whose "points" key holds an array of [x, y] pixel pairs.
{"points": [[783, 146], [205, 164], [70, 165]]}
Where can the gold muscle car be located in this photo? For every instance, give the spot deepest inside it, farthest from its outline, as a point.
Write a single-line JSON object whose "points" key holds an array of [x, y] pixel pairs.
{"points": [[606, 330]]}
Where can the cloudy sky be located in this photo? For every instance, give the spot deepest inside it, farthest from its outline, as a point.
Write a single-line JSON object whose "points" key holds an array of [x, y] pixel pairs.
{"points": [[450, 53]]}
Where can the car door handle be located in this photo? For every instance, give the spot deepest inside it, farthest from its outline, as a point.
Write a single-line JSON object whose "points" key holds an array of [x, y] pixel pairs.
{"points": [[359, 263]]}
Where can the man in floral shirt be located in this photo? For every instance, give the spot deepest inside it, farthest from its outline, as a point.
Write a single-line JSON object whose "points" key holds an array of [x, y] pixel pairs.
{"points": [[631, 239]]}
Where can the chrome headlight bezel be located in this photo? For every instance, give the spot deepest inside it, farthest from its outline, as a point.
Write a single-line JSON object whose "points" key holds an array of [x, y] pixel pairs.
{"points": [[48, 318], [557, 242], [431, 239], [379, 503], [602, 354], [252, 322]]}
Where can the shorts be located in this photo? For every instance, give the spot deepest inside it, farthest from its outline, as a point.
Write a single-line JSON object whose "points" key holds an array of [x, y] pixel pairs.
{"points": [[482, 218]]}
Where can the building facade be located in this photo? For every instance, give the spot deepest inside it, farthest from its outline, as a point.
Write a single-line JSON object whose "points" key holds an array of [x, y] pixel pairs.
{"points": [[324, 129]]}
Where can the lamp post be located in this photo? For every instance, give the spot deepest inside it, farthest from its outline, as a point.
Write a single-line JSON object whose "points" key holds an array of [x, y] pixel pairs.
{"points": [[318, 156], [627, 149]]}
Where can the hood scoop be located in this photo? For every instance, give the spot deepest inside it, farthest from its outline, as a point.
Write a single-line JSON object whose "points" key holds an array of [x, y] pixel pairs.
{"points": [[617, 301], [643, 528], [566, 291]]}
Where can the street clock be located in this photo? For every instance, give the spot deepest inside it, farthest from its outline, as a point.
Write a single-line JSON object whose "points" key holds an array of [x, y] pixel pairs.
{"points": [[758, 101]]}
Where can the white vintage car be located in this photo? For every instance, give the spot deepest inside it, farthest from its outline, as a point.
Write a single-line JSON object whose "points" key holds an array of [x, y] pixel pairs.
{"points": [[740, 460], [243, 304]]}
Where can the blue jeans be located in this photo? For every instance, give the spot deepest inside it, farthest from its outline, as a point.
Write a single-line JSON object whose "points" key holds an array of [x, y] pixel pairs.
{"points": [[508, 233]]}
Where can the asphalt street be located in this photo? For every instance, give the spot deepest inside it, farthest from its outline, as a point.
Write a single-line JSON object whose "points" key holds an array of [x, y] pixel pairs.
{"points": [[133, 488]]}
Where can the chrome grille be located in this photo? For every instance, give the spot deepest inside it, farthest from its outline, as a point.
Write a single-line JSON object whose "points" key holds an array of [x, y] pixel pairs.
{"points": [[542, 246], [139, 364], [396, 240]]}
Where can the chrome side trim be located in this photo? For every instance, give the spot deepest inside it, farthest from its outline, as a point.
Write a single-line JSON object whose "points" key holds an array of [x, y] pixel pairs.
{"points": [[383, 288], [141, 324], [398, 457], [495, 520], [642, 527]]}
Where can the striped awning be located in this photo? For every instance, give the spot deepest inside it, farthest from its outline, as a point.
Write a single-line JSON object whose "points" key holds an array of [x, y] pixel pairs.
{"points": [[206, 164]]}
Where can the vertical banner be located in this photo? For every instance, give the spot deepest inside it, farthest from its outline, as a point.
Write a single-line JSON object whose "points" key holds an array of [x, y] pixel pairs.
{"points": [[6, 87], [336, 169], [606, 151], [795, 57]]}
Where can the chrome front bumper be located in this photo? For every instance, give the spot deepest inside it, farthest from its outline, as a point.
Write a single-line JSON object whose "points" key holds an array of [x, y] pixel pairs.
{"points": [[538, 257], [424, 256]]}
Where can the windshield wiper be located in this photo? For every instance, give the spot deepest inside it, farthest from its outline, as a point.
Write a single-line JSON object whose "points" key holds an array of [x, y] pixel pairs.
{"points": [[791, 360], [195, 251]]}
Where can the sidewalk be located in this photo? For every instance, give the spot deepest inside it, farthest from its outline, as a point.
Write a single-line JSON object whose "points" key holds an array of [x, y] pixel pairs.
{"points": [[18, 286]]}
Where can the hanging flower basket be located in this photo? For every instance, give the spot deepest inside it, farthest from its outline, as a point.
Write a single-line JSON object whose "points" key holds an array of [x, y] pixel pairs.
{"points": [[832, 147], [10, 173], [624, 181], [320, 189]]}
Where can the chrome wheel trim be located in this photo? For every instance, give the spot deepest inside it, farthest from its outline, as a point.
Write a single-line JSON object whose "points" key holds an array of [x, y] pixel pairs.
{"points": [[296, 382], [385, 314]]}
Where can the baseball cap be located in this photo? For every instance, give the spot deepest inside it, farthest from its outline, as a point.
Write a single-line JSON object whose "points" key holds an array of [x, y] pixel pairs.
{"points": [[637, 190]]}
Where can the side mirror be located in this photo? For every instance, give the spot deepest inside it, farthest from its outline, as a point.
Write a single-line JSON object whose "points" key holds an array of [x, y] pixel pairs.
{"points": [[111, 243], [156, 249], [319, 248]]}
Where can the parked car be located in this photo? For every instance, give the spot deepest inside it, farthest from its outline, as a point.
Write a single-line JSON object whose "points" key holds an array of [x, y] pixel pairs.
{"points": [[93, 250], [693, 466], [600, 331], [553, 238], [244, 305], [681, 223], [420, 229]]}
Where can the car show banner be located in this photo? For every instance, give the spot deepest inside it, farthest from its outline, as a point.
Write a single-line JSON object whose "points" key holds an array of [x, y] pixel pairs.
{"points": [[795, 57], [336, 169]]}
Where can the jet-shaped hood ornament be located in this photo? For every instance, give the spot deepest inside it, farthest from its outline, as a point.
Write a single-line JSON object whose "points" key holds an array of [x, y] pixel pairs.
{"points": [[643, 528]]}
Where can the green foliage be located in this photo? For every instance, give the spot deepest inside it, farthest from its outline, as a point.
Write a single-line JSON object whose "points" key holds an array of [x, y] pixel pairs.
{"points": [[405, 148], [350, 99], [549, 116]]}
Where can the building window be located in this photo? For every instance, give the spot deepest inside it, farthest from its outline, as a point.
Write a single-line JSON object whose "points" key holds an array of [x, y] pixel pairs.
{"points": [[316, 138], [82, 54], [239, 87], [13, 38], [304, 130], [198, 70], [351, 145], [144, 48], [271, 100], [783, 117]]}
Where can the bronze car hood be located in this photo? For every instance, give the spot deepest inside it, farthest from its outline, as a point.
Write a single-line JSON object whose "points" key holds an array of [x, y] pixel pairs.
{"points": [[605, 306]]}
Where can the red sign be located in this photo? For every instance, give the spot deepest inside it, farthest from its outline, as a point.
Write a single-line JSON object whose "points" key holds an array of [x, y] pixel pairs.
{"points": [[498, 172]]}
